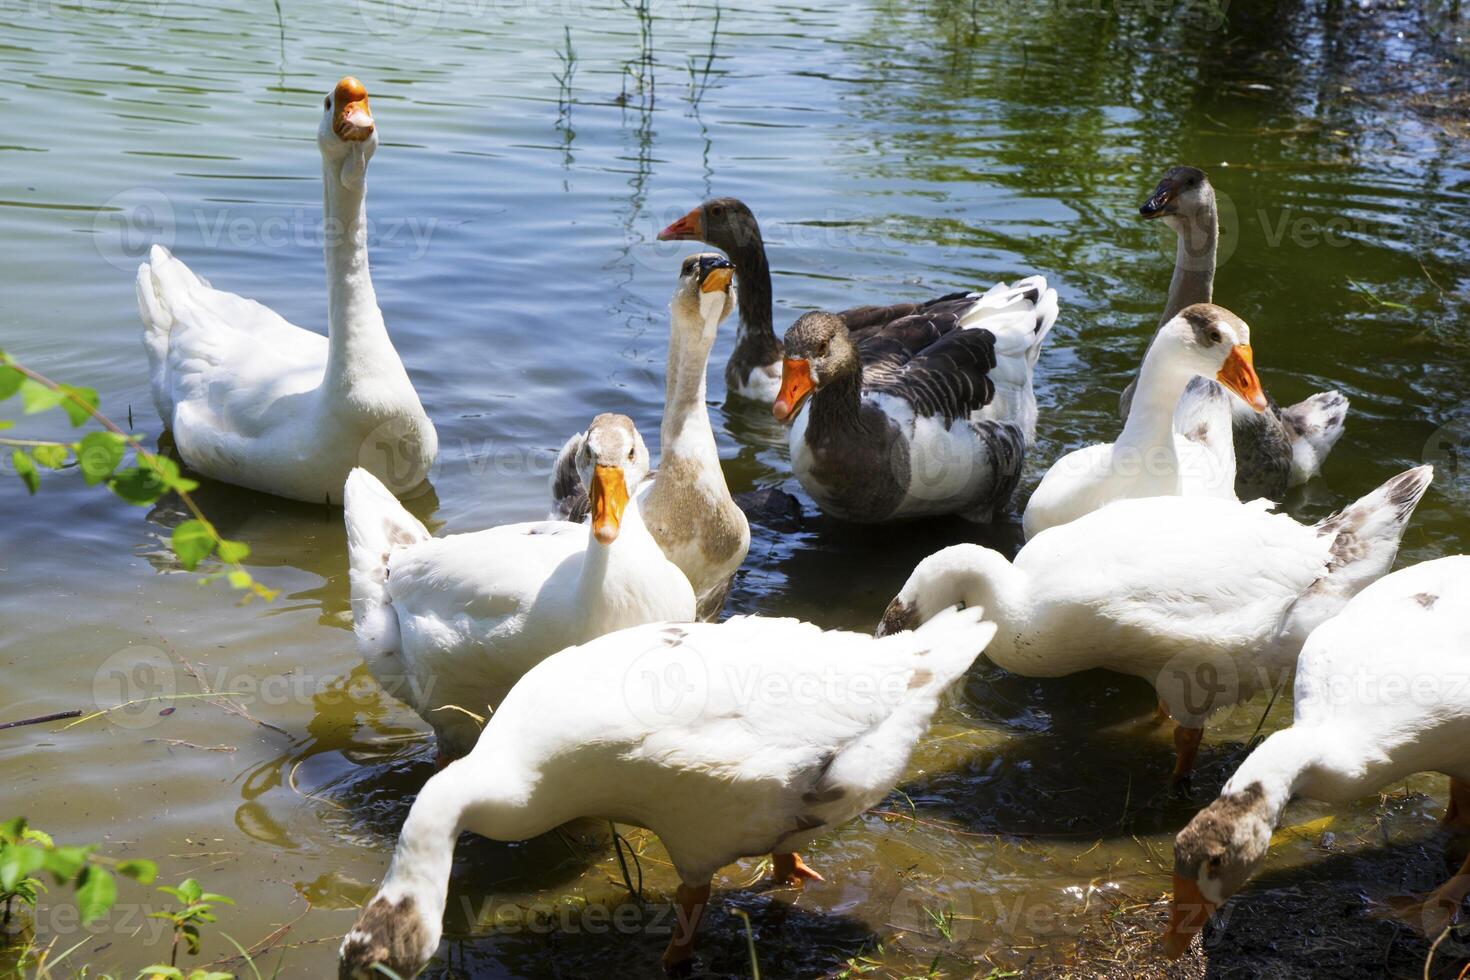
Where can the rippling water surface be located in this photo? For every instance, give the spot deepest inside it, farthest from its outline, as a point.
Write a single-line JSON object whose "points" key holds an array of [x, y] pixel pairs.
{"points": [[891, 151]]}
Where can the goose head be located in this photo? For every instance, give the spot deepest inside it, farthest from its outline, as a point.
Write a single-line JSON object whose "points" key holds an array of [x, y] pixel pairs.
{"points": [[724, 222], [962, 575], [705, 294], [346, 135], [1214, 856], [1183, 196], [612, 460], [1212, 342], [818, 352], [392, 931]]}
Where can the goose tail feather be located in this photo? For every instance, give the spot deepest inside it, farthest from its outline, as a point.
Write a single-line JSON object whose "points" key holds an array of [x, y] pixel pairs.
{"points": [[377, 525], [569, 499], [1313, 427]]}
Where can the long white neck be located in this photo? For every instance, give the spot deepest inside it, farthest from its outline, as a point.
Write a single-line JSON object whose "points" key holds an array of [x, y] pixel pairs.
{"points": [[685, 432], [357, 337], [1279, 765], [425, 853], [1148, 432], [1194, 261], [977, 576], [464, 796], [611, 585]]}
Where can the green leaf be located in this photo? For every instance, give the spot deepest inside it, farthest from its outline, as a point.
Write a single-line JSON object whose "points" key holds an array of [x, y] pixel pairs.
{"points": [[39, 836], [74, 411], [189, 891], [99, 453], [17, 861], [193, 540], [233, 552], [65, 862], [13, 829], [160, 970], [6, 424], [240, 579], [96, 893], [216, 898], [38, 398], [53, 457], [26, 470], [10, 380], [137, 485], [140, 870]]}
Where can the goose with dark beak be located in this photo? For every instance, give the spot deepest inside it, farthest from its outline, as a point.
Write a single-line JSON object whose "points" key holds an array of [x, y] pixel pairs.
{"points": [[686, 503], [1276, 448], [452, 623]]}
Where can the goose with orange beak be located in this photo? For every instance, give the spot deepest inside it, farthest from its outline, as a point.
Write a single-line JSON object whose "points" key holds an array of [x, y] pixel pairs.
{"points": [[1354, 733], [1150, 457], [930, 417], [256, 401], [686, 501], [452, 623]]}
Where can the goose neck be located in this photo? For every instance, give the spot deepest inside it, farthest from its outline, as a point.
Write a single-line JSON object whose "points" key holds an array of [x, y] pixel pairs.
{"points": [[354, 323], [1150, 423], [1197, 238]]}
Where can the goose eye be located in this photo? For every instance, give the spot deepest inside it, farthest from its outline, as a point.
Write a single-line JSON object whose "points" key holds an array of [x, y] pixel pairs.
{"points": [[961, 605], [1214, 336], [1215, 863], [717, 210], [632, 454], [327, 102], [826, 346]]}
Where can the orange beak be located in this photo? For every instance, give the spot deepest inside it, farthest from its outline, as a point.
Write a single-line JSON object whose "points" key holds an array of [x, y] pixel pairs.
{"points": [[796, 384], [718, 280], [609, 496], [689, 228], [1239, 375], [1188, 914], [351, 119]]}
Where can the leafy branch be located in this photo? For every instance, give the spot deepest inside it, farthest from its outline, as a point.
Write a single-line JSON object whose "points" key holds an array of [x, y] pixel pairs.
{"points": [[100, 455], [25, 851]]}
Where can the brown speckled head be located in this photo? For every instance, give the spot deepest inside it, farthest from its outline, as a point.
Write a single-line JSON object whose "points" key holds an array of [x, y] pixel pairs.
{"points": [[386, 934]]}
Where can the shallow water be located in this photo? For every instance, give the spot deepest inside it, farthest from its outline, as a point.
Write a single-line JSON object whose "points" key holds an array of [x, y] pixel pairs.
{"points": [[892, 151]]}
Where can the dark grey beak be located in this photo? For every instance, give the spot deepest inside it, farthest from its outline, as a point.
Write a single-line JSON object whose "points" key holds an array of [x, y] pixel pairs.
{"points": [[1161, 201]]}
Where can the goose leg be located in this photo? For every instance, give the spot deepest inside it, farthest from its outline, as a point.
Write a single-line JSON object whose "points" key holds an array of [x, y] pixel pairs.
{"points": [[1457, 817], [790, 869], [1432, 914], [689, 903], [1186, 749]]}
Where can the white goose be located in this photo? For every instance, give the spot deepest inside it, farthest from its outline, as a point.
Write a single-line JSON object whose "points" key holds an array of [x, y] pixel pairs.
{"points": [[1208, 599], [256, 401], [457, 620], [686, 502], [1380, 695], [666, 734], [1151, 459]]}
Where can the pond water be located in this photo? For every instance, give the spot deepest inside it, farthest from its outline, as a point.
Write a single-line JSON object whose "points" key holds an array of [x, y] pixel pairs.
{"points": [[892, 151]]}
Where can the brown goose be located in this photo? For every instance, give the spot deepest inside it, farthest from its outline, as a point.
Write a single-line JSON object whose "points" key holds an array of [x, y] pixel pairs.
{"points": [[754, 368], [933, 417], [1275, 449]]}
